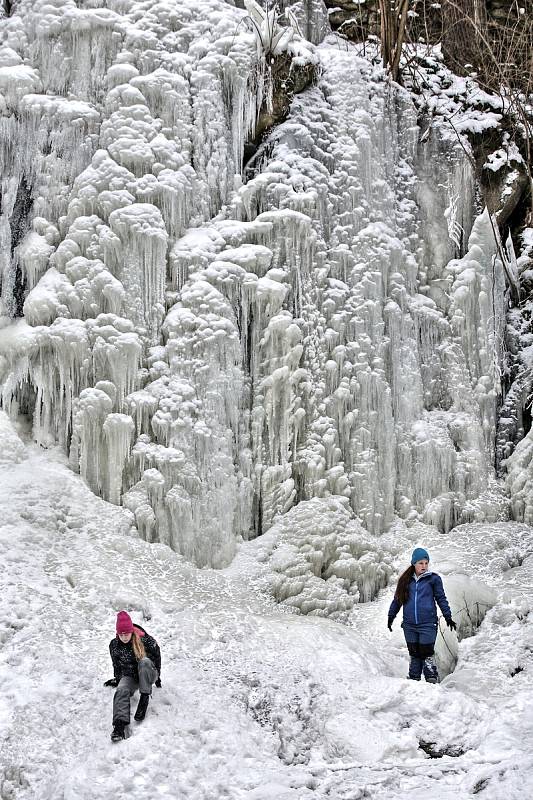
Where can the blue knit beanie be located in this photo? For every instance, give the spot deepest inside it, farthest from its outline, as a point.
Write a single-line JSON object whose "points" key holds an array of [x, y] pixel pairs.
{"points": [[419, 554]]}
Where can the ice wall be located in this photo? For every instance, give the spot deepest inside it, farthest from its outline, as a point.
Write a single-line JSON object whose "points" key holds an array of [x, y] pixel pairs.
{"points": [[211, 345]]}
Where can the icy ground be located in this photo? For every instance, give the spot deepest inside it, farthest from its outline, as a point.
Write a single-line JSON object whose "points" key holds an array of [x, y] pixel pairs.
{"points": [[256, 703]]}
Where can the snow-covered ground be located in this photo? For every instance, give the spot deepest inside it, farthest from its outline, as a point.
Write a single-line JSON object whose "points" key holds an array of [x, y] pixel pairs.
{"points": [[257, 703]]}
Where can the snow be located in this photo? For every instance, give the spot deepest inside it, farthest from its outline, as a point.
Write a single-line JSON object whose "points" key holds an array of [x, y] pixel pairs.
{"points": [[256, 702], [238, 396], [503, 156]]}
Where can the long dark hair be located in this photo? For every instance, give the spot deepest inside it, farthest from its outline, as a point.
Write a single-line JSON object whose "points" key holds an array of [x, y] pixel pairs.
{"points": [[402, 588]]}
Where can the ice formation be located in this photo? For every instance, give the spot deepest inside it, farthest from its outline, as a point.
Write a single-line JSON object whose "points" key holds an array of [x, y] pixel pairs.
{"points": [[216, 344], [323, 559]]}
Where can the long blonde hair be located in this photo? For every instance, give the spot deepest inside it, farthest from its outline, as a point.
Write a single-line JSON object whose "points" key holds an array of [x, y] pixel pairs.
{"points": [[138, 647]]}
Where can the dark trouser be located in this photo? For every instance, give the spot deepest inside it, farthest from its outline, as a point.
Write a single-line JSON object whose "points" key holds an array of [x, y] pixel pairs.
{"points": [[421, 645], [128, 685]]}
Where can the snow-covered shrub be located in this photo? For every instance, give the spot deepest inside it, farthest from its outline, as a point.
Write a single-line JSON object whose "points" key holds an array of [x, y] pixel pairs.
{"points": [[323, 559], [285, 63], [271, 39]]}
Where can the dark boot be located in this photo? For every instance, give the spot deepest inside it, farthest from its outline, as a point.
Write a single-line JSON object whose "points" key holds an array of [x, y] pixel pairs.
{"points": [[118, 731], [415, 668], [141, 708], [431, 673]]}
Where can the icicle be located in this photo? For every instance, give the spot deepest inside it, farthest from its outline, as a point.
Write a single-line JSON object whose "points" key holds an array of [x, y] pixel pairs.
{"points": [[117, 430], [92, 408], [33, 254], [116, 353], [143, 245]]}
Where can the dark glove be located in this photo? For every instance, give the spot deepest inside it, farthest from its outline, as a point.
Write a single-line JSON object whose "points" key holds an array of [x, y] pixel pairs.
{"points": [[389, 624], [451, 624], [158, 683], [111, 682]]}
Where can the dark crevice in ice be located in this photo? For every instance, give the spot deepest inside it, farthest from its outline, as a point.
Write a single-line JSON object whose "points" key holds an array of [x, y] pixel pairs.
{"points": [[439, 752], [480, 785], [19, 224]]}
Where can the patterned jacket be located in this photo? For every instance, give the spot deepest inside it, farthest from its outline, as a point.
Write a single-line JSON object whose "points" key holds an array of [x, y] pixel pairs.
{"points": [[123, 657]]}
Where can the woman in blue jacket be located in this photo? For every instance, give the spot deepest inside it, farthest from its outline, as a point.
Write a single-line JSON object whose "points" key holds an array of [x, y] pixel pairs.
{"points": [[418, 591]]}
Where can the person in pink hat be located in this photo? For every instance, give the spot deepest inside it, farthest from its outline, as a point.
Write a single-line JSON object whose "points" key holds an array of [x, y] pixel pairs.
{"points": [[136, 661]]}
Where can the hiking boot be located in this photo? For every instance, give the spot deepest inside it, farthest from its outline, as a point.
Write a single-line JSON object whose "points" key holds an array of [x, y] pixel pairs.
{"points": [[118, 731], [431, 673], [141, 708]]}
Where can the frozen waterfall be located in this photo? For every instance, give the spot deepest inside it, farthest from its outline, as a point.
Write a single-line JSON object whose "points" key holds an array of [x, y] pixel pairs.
{"points": [[214, 346]]}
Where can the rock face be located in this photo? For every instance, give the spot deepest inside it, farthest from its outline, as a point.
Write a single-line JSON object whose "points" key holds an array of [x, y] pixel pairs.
{"points": [[287, 79], [357, 19], [213, 349]]}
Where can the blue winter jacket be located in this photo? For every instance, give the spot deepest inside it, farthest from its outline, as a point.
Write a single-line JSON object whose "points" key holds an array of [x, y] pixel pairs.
{"points": [[420, 608]]}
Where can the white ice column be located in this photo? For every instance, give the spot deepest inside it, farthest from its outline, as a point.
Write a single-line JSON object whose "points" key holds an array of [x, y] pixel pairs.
{"points": [[292, 240], [142, 263], [89, 448], [59, 371], [282, 351], [368, 441], [33, 253], [75, 46], [154, 485], [186, 491], [116, 353], [520, 480], [118, 431], [477, 316], [403, 366]]}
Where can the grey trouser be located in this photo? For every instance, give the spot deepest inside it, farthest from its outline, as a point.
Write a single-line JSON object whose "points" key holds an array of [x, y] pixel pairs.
{"points": [[128, 685]]}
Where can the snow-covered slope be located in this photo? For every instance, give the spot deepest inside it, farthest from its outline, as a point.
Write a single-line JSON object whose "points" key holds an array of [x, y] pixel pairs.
{"points": [[256, 703]]}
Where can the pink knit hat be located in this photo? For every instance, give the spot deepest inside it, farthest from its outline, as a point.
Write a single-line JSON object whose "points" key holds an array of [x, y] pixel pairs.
{"points": [[124, 623]]}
